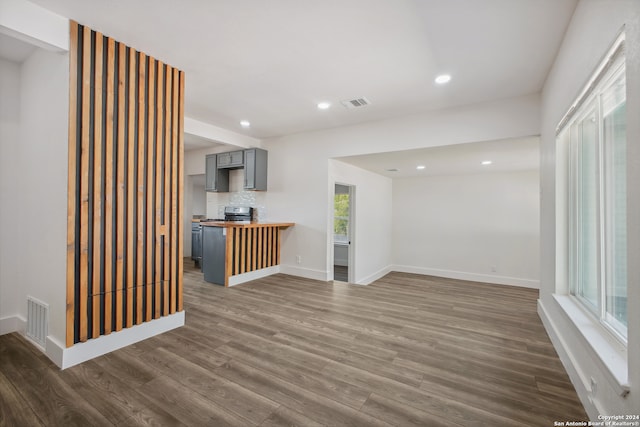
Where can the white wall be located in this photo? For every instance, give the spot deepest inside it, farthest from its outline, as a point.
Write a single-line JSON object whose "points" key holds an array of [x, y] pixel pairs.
{"points": [[482, 227], [372, 219], [9, 190], [300, 184], [34, 186], [194, 164], [199, 200], [593, 29]]}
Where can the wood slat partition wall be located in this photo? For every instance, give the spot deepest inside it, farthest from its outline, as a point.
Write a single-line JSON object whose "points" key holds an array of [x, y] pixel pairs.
{"points": [[124, 227]]}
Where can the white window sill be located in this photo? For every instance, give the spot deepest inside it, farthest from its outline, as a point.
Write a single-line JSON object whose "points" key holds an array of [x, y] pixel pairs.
{"points": [[612, 355]]}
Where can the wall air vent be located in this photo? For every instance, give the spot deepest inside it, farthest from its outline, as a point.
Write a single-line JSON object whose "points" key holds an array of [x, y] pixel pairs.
{"points": [[355, 103], [37, 321]]}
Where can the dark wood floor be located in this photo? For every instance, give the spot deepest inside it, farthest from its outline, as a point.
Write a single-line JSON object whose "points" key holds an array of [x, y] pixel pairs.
{"points": [[341, 273], [406, 350]]}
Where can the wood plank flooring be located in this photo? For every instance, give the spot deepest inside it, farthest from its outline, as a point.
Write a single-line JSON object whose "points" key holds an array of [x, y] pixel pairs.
{"points": [[406, 350]]}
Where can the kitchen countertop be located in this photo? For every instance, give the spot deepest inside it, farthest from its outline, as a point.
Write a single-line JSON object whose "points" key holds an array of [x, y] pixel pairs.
{"points": [[246, 224]]}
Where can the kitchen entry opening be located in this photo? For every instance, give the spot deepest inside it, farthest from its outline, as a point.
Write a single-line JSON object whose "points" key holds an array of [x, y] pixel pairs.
{"points": [[342, 232]]}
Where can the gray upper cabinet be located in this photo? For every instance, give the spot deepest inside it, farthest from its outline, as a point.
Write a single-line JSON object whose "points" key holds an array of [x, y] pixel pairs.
{"points": [[232, 159], [253, 160], [255, 169], [216, 179]]}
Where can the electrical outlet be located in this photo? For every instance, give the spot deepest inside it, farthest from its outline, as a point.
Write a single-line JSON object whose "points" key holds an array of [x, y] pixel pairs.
{"points": [[493, 269], [298, 259]]}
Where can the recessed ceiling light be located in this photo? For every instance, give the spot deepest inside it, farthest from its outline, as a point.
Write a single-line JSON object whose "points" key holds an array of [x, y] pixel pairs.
{"points": [[420, 167], [487, 162], [245, 123], [442, 79], [324, 105]]}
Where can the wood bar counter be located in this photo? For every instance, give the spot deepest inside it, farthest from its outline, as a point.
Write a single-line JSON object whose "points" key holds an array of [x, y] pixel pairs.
{"points": [[246, 250]]}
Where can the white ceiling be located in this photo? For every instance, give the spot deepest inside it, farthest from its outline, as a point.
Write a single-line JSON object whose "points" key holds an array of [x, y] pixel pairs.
{"points": [[270, 62], [506, 155]]}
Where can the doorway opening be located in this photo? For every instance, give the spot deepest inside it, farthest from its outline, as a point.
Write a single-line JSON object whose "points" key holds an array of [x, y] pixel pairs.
{"points": [[343, 232]]}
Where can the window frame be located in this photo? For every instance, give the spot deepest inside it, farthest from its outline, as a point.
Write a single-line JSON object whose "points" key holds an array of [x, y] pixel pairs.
{"points": [[590, 102]]}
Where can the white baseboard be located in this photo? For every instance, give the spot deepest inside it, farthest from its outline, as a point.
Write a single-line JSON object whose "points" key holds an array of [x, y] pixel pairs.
{"points": [[253, 275], [67, 357], [307, 273], [475, 277], [568, 360], [12, 324], [375, 276]]}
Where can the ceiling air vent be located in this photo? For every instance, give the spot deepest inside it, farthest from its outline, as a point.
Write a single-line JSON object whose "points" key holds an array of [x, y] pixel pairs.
{"points": [[356, 103]]}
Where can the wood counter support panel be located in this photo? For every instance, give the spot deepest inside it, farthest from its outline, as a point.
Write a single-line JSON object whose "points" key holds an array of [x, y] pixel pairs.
{"points": [[251, 248], [124, 250]]}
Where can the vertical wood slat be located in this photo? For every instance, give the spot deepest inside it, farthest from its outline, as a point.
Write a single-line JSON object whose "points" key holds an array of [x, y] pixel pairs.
{"points": [[179, 241], [131, 187], [83, 291], [72, 187], [259, 254], [236, 248], [243, 249], [277, 245], [274, 246], [108, 191], [265, 232], [158, 195], [119, 284], [150, 282], [254, 249], [140, 231], [97, 187], [174, 188], [166, 220], [126, 147], [249, 249]]}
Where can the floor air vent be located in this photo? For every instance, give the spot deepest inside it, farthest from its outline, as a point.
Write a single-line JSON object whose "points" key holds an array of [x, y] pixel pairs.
{"points": [[37, 320]]}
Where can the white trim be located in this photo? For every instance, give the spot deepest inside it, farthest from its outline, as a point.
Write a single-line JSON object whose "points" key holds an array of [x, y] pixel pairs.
{"points": [[568, 359], [611, 354], [307, 273], [81, 352], [475, 277], [375, 276], [12, 324], [609, 60], [253, 275]]}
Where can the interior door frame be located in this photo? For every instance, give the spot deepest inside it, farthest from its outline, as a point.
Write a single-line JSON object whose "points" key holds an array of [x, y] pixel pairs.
{"points": [[351, 231]]}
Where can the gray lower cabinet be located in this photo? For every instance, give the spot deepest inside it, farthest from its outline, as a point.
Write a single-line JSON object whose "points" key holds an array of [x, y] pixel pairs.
{"points": [[213, 254], [196, 243], [216, 179], [255, 169]]}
